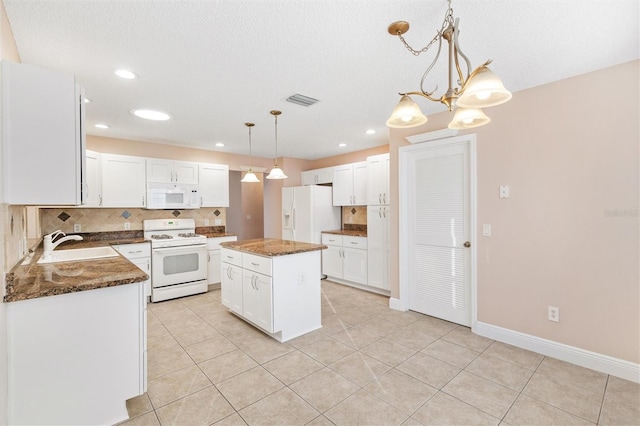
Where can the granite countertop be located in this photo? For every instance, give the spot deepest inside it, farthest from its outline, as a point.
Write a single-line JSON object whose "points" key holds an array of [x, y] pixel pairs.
{"points": [[272, 246], [30, 280], [213, 231], [348, 232]]}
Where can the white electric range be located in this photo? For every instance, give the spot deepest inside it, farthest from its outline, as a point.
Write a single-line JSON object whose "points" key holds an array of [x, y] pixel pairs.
{"points": [[178, 258]]}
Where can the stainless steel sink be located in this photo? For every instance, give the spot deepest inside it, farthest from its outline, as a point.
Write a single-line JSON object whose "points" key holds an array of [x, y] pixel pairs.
{"points": [[74, 255]]}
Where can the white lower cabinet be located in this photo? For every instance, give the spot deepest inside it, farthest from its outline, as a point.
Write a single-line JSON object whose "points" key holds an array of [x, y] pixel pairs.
{"points": [[345, 259], [214, 270], [280, 295], [140, 255], [378, 246]]}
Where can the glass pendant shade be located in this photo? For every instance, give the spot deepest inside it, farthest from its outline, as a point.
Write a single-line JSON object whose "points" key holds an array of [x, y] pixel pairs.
{"points": [[406, 114], [250, 177], [276, 173], [485, 89], [468, 118]]}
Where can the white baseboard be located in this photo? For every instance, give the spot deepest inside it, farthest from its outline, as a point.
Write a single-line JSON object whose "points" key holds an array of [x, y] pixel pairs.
{"points": [[395, 304], [595, 361]]}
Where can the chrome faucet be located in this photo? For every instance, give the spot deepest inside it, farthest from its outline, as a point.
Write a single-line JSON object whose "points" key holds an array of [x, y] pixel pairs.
{"points": [[49, 245]]}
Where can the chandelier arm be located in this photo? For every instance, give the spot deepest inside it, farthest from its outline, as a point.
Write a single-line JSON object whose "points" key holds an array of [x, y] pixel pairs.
{"points": [[456, 32], [423, 94], [429, 69]]}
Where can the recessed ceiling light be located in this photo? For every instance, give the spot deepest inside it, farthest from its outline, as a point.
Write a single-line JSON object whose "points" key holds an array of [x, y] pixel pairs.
{"points": [[151, 114], [101, 126], [342, 145], [220, 144], [370, 132], [125, 74]]}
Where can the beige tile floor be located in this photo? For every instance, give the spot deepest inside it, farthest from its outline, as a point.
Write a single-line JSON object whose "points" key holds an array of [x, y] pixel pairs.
{"points": [[368, 365]]}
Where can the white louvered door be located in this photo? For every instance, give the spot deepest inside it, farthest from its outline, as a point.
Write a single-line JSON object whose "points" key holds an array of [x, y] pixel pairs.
{"points": [[439, 276]]}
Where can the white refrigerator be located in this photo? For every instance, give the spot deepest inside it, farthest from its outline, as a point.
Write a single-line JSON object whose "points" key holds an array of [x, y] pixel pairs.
{"points": [[306, 211]]}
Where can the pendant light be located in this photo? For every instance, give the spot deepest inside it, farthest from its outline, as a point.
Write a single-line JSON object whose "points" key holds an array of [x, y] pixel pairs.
{"points": [[250, 177], [276, 172]]}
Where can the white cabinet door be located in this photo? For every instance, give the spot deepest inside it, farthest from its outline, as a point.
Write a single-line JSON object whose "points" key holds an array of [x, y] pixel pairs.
{"points": [[309, 177], [360, 183], [43, 136], [159, 170], [355, 265], [378, 247], [94, 179], [169, 171], [350, 184], [332, 261], [231, 293], [317, 176], [140, 255], [123, 181], [214, 185], [343, 185], [257, 299], [378, 179]]}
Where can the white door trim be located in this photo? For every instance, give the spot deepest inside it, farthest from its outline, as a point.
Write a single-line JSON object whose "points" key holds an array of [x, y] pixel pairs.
{"points": [[402, 303]]}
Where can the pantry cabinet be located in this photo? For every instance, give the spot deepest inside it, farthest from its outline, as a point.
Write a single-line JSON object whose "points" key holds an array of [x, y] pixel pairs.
{"points": [[350, 184], [318, 176], [378, 180], [378, 246], [43, 136], [214, 185], [123, 181], [170, 171]]}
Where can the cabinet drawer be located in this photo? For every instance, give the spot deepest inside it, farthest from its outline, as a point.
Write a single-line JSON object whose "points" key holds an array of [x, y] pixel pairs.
{"points": [[332, 239], [354, 242], [231, 256], [256, 263], [132, 251]]}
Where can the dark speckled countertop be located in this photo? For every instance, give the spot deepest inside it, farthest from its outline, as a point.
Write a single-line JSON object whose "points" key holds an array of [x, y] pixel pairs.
{"points": [[30, 280], [348, 232], [272, 246]]}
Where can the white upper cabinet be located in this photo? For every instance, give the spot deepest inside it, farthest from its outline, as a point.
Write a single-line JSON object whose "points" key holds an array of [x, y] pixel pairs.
{"points": [[123, 181], [317, 176], [42, 135], [350, 184], [378, 180], [94, 179], [170, 171], [214, 185]]}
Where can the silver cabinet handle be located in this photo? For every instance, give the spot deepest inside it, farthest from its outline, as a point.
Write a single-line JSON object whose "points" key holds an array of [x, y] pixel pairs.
{"points": [[143, 200], [100, 200]]}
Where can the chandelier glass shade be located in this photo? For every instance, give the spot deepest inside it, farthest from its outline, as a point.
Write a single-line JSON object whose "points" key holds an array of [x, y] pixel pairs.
{"points": [[276, 172], [474, 90], [250, 177]]}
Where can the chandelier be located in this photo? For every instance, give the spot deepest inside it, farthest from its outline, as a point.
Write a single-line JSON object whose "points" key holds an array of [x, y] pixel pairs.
{"points": [[250, 177], [478, 89], [276, 172]]}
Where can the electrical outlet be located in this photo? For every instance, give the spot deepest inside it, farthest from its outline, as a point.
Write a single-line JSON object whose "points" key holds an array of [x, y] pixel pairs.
{"points": [[554, 314], [77, 227], [127, 226], [206, 222]]}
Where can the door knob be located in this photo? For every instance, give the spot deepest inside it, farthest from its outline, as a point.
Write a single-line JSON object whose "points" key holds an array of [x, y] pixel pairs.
{"points": [[467, 244]]}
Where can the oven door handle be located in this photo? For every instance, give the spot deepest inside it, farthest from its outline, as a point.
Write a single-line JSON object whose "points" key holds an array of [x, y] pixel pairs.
{"points": [[180, 249]]}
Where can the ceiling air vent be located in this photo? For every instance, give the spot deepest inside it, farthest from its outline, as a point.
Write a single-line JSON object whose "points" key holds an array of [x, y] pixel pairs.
{"points": [[301, 100]]}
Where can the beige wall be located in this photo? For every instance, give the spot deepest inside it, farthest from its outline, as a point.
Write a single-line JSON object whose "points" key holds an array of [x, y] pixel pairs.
{"points": [[351, 157], [568, 236]]}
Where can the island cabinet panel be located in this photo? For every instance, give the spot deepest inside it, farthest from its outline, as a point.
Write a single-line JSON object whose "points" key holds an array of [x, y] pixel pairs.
{"points": [[278, 294]]}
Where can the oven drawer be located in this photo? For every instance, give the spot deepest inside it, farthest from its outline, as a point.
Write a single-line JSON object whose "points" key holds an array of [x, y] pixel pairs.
{"points": [[256, 263], [233, 257]]}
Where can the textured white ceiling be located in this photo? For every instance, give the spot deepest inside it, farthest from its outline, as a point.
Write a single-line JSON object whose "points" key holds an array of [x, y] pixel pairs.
{"points": [[215, 64]]}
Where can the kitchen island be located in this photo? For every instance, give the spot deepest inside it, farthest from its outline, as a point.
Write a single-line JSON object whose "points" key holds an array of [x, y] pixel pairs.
{"points": [[273, 284]]}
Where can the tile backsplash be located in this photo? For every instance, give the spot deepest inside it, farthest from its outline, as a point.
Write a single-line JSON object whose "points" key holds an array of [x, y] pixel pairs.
{"points": [[102, 219], [354, 215]]}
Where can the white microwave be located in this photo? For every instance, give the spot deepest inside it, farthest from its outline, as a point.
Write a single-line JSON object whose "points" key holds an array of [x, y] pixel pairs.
{"points": [[172, 196]]}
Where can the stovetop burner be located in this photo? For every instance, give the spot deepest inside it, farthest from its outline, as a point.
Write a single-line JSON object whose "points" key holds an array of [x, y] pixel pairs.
{"points": [[188, 235], [161, 237]]}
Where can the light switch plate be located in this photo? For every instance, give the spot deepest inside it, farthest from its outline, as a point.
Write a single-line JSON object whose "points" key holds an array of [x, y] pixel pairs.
{"points": [[486, 230]]}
